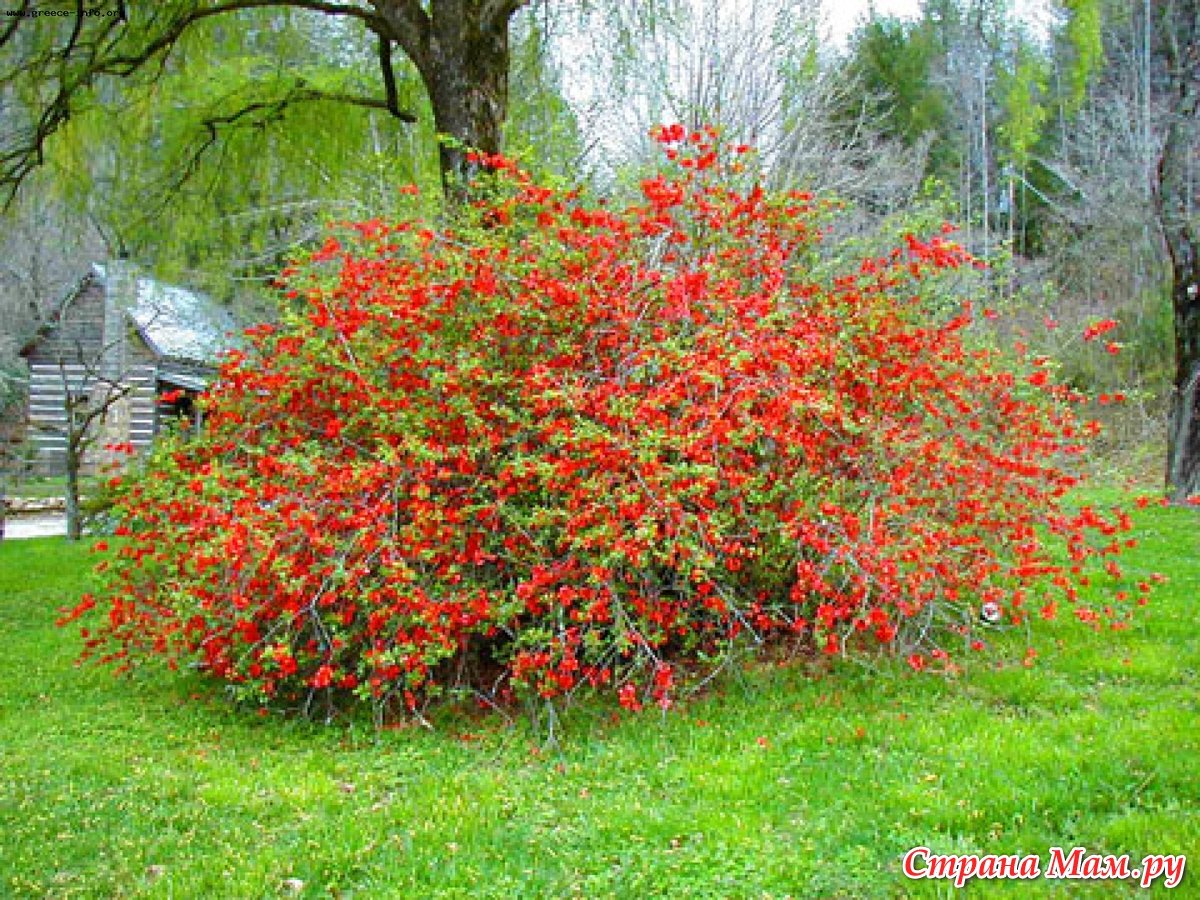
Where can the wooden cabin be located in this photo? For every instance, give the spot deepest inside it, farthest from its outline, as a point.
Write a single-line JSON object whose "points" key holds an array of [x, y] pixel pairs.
{"points": [[121, 340]]}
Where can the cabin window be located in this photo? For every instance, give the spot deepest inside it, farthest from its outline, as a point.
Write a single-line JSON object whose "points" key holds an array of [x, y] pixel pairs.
{"points": [[184, 406], [177, 406]]}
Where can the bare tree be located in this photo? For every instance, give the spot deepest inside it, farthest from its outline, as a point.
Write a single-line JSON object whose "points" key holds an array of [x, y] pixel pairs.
{"points": [[756, 71], [11, 396], [43, 248], [92, 381], [89, 397], [1128, 167]]}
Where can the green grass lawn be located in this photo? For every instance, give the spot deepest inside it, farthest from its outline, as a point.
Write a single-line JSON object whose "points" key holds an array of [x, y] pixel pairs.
{"points": [[777, 783]]}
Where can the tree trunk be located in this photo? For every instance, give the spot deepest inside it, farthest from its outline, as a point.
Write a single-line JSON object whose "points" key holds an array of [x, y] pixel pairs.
{"points": [[1183, 434], [1178, 209], [1183, 447], [461, 51], [71, 494], [470, 102]]}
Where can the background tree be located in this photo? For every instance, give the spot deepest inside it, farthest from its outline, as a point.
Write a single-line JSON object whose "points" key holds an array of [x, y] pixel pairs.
{"points": [[760, 72], [543, 128], [43, 245], [894, 61], [92, 391], [1178, 38], [242, 197]]}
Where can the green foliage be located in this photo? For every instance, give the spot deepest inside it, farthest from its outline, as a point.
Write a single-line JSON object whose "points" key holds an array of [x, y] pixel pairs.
{"points": [[226, 144], [1025, 113], [893, 60], [1084, 35], [152, 790]]}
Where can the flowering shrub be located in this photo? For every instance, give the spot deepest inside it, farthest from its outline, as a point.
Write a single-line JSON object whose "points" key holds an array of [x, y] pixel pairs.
{"points": [[578, 445]]}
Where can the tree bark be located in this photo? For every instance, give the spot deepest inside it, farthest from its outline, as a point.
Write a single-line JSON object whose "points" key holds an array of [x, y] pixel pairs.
{"points": [[78, 440], [470, 99], [461, 51], [71, 493], [1178, 209]]}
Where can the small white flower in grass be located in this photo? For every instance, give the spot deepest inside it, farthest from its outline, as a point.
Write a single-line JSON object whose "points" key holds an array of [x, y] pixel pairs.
{"points": [[990, 612]]}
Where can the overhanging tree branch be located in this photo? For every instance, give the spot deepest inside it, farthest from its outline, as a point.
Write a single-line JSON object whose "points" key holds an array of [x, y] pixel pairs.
{"points": [[92, 52], [388, 105], [272, 111], [389, 77], [7, 33], [75, 30], [127, 65], [459, 49]]}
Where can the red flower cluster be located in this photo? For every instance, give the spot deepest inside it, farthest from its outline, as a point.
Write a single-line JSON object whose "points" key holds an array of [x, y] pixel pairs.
{"points": [[1103, 326], [580, 445]]}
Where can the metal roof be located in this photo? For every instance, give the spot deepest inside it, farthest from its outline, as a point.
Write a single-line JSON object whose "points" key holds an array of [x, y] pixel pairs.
{"points": [[178, 323], [188, 380]]}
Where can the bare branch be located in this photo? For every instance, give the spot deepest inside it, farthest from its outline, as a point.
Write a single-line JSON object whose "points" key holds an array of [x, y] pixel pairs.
{"points": [[389, 76], [7, 34], [91, 53], [75, 31], [127, 65], [273, 110], [386, 105]]}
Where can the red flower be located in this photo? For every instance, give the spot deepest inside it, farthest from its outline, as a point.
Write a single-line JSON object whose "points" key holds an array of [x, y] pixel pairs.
{"points": [[628, 697], [1096, 329]]}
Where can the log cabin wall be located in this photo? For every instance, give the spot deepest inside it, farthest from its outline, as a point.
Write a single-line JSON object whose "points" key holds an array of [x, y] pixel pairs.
{"points": [[118, 331], [70, 358]]}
